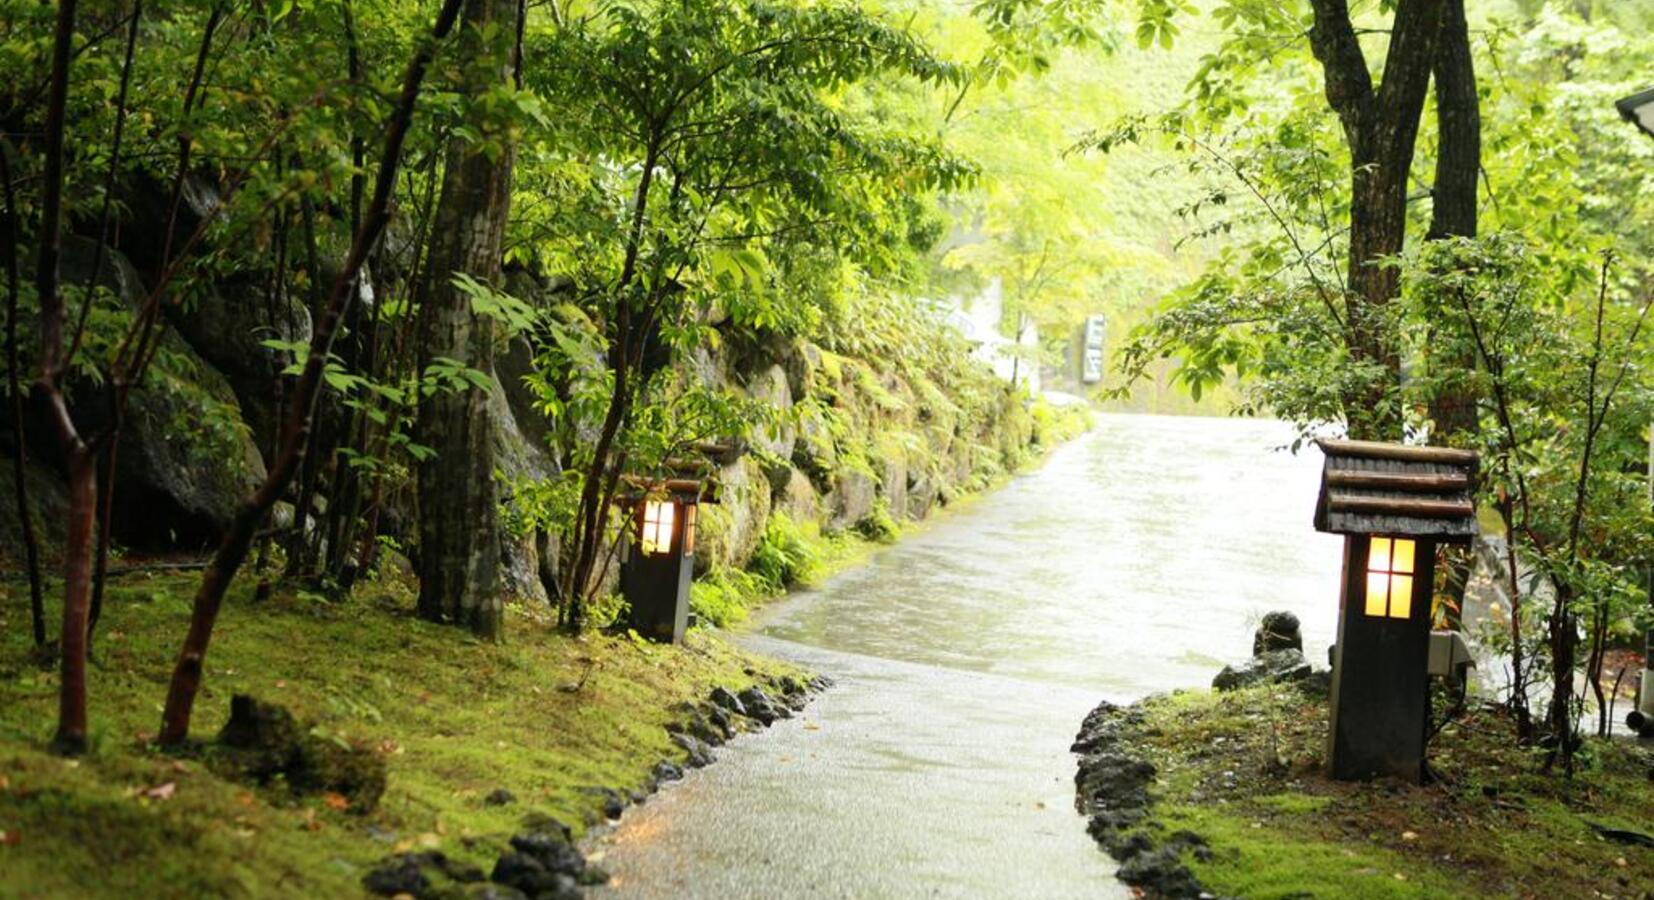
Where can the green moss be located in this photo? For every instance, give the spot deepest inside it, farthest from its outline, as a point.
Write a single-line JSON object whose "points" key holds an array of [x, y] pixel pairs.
{"points": [[878, 525], [1244, 770], [544, 715]]}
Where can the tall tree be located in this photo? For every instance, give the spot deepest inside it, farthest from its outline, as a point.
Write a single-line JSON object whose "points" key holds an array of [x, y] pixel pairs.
{"points": [[295, 429], [1453, 214], [1381, 129], [459, 531]]}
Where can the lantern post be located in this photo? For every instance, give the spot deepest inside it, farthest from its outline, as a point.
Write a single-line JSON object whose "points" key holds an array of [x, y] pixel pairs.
{"points": [[659, 559], [1394, 504]]}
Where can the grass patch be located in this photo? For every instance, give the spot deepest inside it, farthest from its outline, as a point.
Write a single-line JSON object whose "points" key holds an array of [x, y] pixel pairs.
{"points": [[1243, 769], [453, 717]]}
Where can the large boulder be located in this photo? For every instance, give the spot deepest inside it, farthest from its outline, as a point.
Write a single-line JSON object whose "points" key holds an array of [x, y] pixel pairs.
{"points": [[48, 509], [893, 484], [186, 458], [727, 533], [854, 491], [228, 327], [798, 498], [771, 388], [528, 556]]}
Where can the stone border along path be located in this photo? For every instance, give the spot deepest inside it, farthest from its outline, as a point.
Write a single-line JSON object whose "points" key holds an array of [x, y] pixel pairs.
{"points": [[1112, 789], [543, 862]]}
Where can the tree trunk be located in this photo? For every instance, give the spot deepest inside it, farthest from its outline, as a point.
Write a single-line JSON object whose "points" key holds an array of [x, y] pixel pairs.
{"points": [[1453, 214], [14, 396], [459, 540], [295, 431], [77, 594], [1381, 129]]}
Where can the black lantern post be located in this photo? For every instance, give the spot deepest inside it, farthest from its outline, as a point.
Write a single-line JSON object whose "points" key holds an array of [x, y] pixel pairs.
{"points": [[659, 560], [1638, 109], [1394, 504]]}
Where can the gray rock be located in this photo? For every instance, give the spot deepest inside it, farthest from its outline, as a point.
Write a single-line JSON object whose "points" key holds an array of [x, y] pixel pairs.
{"points": [[761, 708], [495, 892], [228, 327], [1273, 666], [666, 770], [893, 485], [723, 698], [499, 797], [1279, 630], [771, 388], [852, 499], [699, 753], [797, 497]]}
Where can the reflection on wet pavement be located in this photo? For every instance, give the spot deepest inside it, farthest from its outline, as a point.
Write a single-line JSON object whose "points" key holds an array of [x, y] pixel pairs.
{"points": [[1136, 560]]}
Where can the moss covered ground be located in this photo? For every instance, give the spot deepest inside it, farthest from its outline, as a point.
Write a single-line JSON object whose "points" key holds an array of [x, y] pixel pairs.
{"points": [[545, 716], [1243, 770]]}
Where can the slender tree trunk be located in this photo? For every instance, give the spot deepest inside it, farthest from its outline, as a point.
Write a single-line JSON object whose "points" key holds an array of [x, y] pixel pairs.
{"points": [[1453, 214], [232, 549], [77, 557], [1381, 129], [14, 387], [459, 532]]}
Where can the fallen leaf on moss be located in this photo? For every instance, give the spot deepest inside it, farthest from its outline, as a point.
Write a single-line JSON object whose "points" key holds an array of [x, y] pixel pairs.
{"points": [[334, 801], [162, 791], [10, 838]]}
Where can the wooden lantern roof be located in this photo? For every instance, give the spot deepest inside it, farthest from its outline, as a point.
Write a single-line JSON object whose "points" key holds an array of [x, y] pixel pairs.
{"points": [[1399, 490]]}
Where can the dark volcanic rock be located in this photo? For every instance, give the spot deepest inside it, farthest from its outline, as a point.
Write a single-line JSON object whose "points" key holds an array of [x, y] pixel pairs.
{"points": [[666, 770], [525, 873], [761, 708], [551, 851], [499, 797], [400, 874], [722, 698], [1275, 665], [1160, 873], [1278, 631], [1112, 788], [539, 821], [262, 741], [699, 753], [614, 803], [720, 719]]}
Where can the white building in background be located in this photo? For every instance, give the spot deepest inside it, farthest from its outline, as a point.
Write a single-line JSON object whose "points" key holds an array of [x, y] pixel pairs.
{"points": [[1014, 358]]}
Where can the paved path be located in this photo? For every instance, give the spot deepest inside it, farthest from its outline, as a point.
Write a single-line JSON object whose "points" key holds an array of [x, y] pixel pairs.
{"points": [[1136, 560]]}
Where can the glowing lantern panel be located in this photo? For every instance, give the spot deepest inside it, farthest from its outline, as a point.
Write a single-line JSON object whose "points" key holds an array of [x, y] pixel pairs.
{"points": [[1390, 578], [657, 526]]}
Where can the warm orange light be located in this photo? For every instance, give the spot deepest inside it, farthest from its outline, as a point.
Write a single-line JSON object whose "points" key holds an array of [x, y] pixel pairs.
{"points": [[689, 530], [657, 526], [1390, 577]]}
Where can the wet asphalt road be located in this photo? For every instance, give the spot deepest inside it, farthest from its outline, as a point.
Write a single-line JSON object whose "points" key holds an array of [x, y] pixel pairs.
{"points": [[1137, 559]]}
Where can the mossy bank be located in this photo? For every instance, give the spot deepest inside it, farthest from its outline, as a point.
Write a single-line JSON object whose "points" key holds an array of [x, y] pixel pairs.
{"points": [[559, 724], [1225, 793]]}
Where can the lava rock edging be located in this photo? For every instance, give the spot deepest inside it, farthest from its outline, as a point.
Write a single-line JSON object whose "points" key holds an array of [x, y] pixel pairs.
{"points": [[543, 862], [1112, 790]]}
